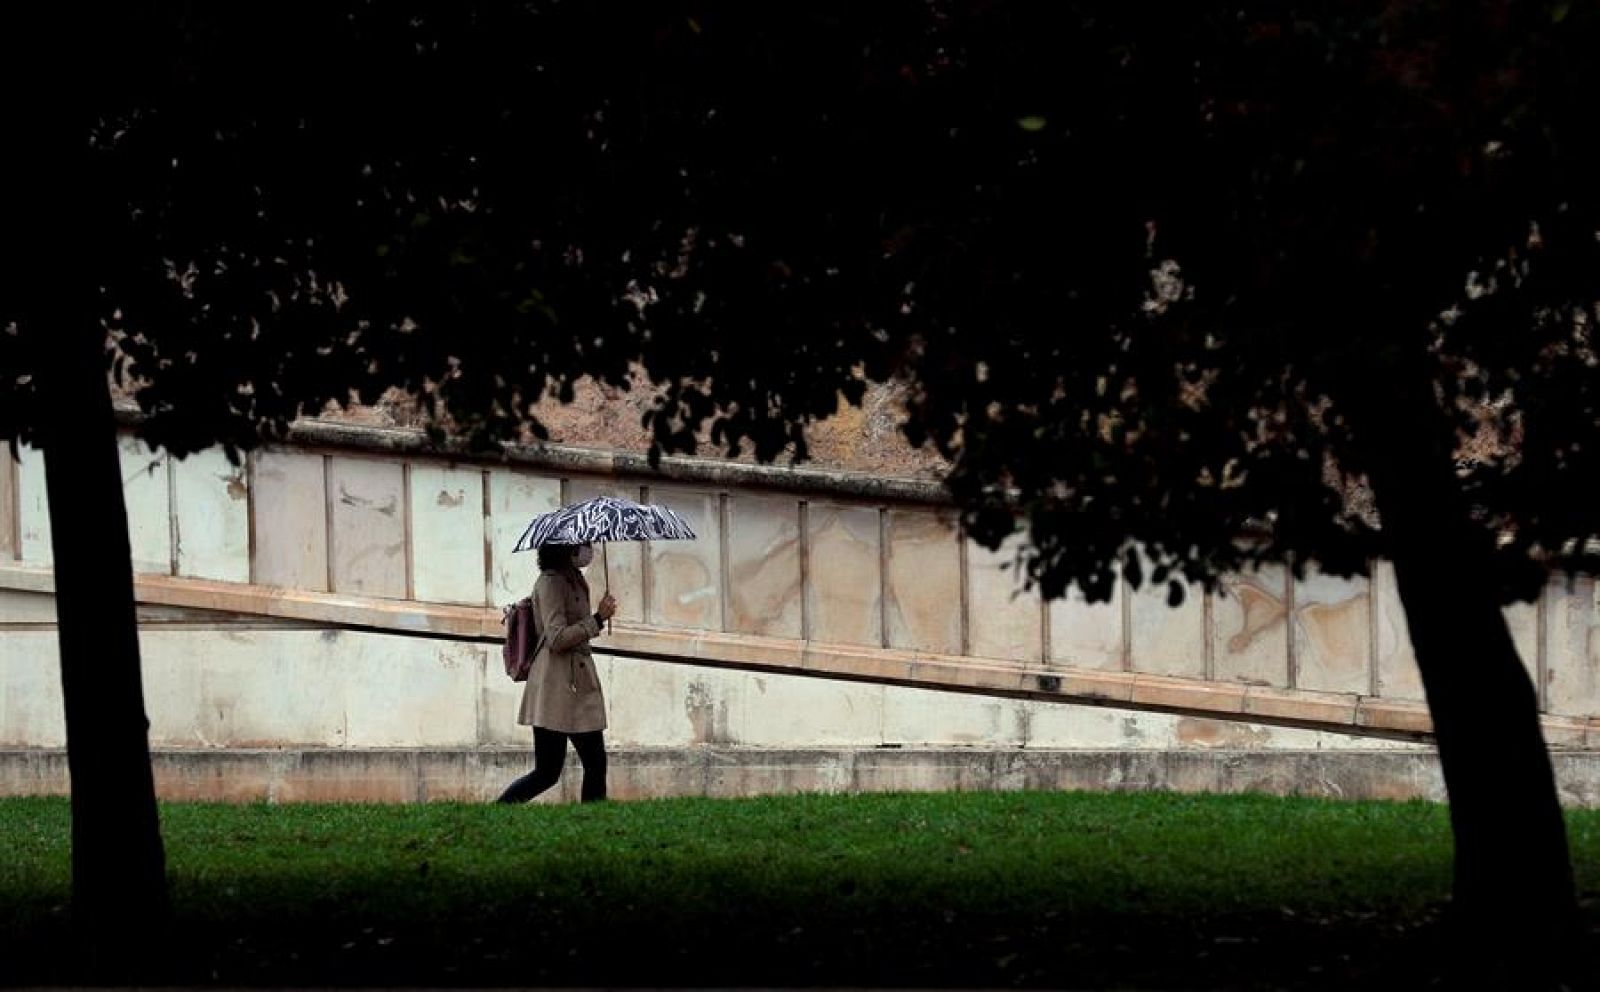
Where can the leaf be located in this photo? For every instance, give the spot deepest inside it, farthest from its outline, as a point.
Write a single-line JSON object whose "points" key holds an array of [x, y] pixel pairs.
{"points": [[1133, 569]]}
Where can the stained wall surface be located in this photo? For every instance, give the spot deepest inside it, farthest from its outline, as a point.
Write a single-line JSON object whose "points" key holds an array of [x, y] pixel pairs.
{"points": [[836, 571]]}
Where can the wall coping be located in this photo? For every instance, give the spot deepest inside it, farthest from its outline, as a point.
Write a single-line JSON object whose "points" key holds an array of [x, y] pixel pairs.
{"points": [[605, 462]]}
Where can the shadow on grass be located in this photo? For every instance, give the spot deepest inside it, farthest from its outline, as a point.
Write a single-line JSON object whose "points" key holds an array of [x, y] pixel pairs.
{"points": [[1037, 889]]}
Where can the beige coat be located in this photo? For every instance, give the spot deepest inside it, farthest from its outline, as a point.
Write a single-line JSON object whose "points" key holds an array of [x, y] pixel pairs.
{"points": [[563, 689]]}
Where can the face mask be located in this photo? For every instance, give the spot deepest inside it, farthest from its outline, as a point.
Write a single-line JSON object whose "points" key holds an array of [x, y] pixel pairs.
{"points": [[584, 556]]}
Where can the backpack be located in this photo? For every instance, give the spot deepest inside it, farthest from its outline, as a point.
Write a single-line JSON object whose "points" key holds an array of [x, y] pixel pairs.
{"points": [[522, 641]]}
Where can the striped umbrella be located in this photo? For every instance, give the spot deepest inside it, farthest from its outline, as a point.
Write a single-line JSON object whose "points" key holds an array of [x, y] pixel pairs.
{"points": [[604, 518]]}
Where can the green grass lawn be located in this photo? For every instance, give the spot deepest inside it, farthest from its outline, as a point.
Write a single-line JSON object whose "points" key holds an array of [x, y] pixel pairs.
{"points": [[1061, 889]]}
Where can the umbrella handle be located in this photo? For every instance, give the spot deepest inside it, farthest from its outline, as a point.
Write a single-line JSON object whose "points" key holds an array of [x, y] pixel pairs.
{"points": [[605, 564]]}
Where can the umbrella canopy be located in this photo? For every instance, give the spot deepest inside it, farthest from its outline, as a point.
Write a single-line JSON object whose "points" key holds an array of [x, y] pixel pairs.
{"points": [[604, 518]]}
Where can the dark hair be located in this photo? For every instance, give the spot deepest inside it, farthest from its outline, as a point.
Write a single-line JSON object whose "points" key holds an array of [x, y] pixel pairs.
{"points": [[554, 557]]}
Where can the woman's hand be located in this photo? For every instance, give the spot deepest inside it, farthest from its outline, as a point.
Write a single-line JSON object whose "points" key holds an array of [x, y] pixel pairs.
{"points": [[608, 607]]}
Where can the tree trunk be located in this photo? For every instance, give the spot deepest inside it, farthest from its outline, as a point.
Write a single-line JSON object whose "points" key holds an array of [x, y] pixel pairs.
{"points": [[119, 900], [78, 57], [1514, 903]]}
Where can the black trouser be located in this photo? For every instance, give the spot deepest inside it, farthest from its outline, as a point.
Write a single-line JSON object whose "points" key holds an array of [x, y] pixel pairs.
{"points": [[550, 753]]}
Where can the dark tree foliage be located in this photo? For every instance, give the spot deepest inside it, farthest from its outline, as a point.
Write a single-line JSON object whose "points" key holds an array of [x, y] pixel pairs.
{"points": [[1200, 280]]}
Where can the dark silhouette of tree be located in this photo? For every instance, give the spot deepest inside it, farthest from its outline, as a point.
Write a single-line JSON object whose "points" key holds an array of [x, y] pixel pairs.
{"points": [[1188, 281]]}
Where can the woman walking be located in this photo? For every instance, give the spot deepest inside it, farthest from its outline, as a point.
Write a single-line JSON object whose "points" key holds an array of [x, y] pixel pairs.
{"points": [[562, 699]]}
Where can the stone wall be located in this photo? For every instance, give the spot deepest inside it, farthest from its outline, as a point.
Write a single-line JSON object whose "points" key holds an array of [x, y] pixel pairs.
{"points": [[478, 774], [340, 594], [245, 708], [378, 520], [220, 681]]}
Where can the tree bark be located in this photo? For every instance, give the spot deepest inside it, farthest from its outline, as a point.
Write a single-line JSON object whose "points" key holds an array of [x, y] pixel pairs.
{"points": [[72, 58], [119, 899], [1514, 904]]}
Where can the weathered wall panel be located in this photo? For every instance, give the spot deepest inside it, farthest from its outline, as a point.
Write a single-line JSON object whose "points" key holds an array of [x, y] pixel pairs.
{"points": [[1523, 621], [1332, 632], [515, 498], [447, 527], [648, 703], [10, 545], [686, 576], [211, 511], [368, 543], [17, 607], [216, 688], [289, 540], [1093, 727], [764, 594], [924, 582], [263, 688], [653, 704], [403, 690], [147, 494], [1088, 635], [33, 508], [246, 688], [926, 716], [1572, 679], [30, 689], [1003, 620], [844, 591], [1250, 628], [1167, 640], [1398, 677], [775, 711], [500, 699]]}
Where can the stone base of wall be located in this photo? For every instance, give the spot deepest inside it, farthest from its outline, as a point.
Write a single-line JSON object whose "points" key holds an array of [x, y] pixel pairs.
{"points": [[470, 775]]}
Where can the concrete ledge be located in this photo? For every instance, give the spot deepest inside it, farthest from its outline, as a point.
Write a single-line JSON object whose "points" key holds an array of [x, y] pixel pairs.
{"points": [[478, 774], [1348, 713], [744, 652]]}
